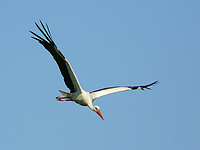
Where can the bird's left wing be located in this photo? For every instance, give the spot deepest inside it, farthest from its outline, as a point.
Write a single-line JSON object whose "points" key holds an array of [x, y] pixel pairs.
{"points": [[98, 93], [66, 70]]}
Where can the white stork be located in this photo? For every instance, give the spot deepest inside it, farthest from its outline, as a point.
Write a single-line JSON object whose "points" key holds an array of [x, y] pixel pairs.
{"points": [[77, 94]]}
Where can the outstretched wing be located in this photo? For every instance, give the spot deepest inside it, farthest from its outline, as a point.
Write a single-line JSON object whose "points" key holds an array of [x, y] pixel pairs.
{"points": [[98, 93], [66, 70]]}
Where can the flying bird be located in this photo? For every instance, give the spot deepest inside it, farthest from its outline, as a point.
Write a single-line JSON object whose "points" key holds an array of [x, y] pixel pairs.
{"points": [[77, 94]]}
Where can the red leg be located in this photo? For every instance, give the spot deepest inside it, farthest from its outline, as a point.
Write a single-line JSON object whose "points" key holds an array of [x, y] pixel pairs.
{"points": [[59, 98]]}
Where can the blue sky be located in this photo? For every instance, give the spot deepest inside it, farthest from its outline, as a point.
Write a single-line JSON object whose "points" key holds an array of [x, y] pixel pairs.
{"points": [[107, 43]]}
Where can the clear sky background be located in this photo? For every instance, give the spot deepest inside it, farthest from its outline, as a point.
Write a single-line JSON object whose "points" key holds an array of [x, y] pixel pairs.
{"points": [[108, 43]]}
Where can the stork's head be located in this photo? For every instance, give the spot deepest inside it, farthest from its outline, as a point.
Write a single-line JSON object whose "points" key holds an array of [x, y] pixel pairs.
{"points": [[97, 110]]}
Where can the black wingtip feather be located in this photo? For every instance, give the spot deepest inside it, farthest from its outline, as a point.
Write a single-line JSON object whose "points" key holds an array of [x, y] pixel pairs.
{"points": [[39, 38], [47, 33], [35, 38], [144, 86], [148, 85]]}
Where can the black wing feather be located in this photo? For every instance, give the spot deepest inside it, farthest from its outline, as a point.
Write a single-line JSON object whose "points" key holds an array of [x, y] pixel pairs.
{"points": [[144, 87], [54, 51]]}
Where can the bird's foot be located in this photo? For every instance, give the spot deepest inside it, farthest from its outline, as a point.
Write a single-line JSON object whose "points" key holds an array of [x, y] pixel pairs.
{"points": [[59, 98]]}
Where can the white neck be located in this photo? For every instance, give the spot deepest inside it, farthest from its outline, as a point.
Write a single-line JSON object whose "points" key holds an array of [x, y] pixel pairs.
{"points": [[91, 106]]}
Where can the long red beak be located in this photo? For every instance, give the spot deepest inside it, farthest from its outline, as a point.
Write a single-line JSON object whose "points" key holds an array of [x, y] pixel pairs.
{"points": [[99, 113]]}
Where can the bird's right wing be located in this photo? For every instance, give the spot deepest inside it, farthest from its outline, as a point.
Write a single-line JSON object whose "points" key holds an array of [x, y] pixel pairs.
{"points": [[66, 70], [98, 93]]}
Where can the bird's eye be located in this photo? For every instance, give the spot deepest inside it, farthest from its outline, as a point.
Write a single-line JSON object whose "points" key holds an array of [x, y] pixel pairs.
{"points": [[96, 108]]}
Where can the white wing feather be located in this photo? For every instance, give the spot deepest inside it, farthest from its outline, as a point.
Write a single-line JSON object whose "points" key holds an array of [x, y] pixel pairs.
{"points": [[98, 93], [106, 91]]}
